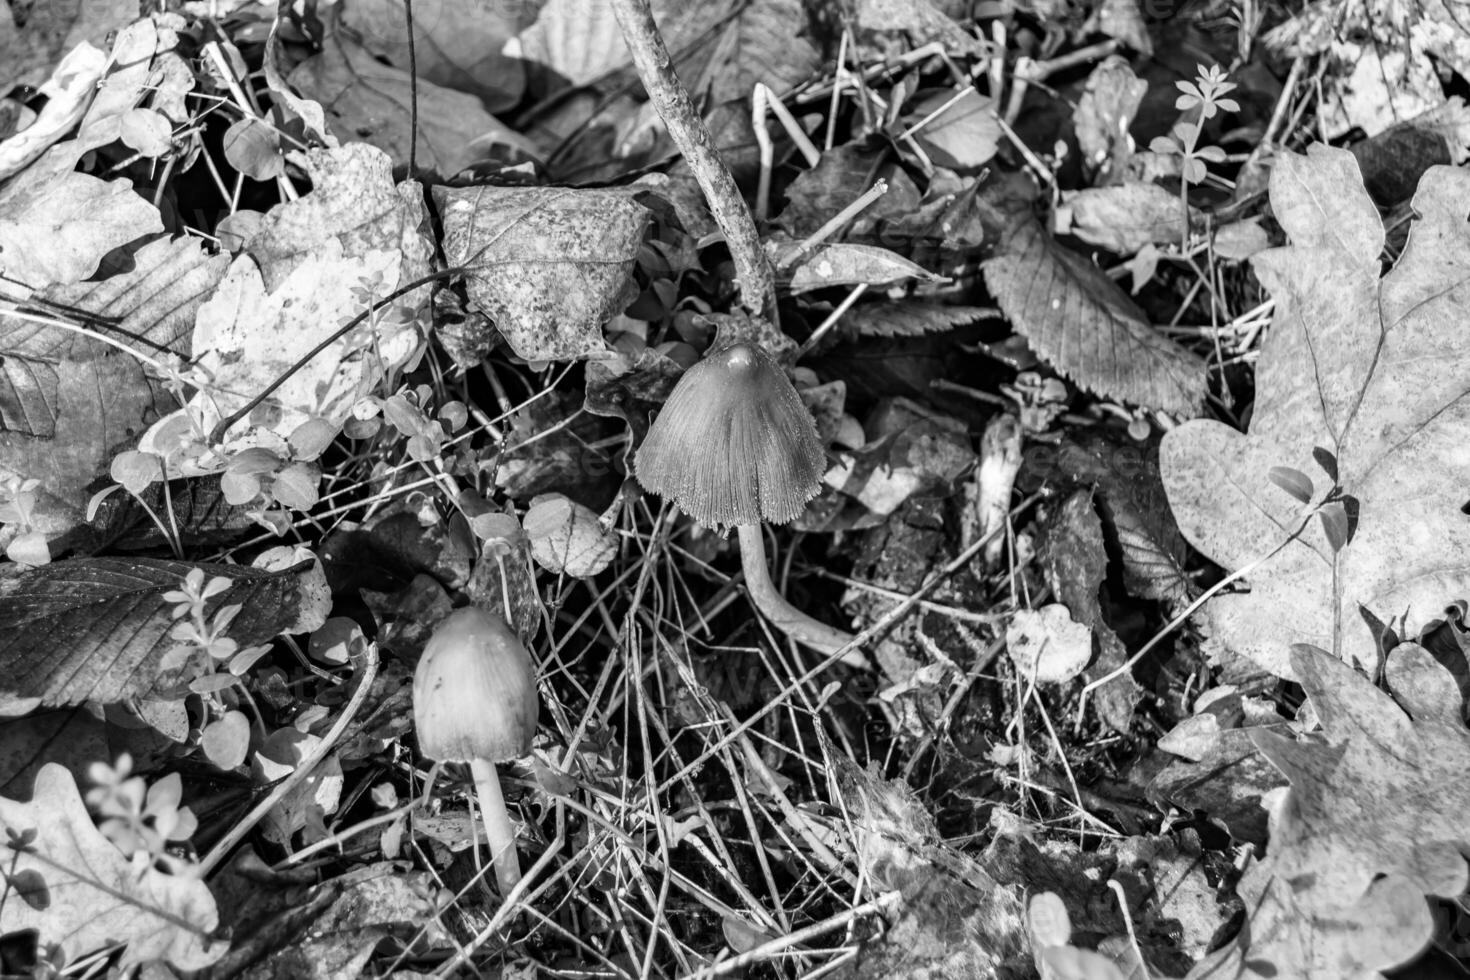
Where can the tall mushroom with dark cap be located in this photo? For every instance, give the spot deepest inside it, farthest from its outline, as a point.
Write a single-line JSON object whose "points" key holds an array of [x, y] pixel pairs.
{"points": [[734, 446]]}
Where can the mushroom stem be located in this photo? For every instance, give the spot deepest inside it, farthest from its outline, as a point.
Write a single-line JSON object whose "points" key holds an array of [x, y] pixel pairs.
{"points": [[499, 833], [782, 614]]}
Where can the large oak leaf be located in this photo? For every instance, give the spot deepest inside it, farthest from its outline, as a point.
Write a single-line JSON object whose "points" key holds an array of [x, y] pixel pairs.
{"points": [[1361, 374]]}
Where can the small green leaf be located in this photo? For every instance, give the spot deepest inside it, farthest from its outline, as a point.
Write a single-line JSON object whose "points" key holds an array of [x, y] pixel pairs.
{"points": [[1325, 459], [1335, 523], [1294, 482]]}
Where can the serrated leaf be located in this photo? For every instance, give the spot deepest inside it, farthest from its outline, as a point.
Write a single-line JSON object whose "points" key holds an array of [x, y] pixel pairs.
{"points": [[149, 308], [95, 628], [551, 264], [80, 893], [910, 318], [1362, 366], [1087, 327]]}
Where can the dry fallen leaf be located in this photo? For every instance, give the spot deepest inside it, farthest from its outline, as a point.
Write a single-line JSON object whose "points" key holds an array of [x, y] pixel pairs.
{"points": [[1124, 217], [1385, 793], [1087, 327], [68, 92], [1373, 822], [1357, 385], [57, 231], [959, 130], [458, 44], [368, 100], [550, 264], [94, 629], [1108, 106], [77, 890], [1076, 562], [845, 264], [34, 36]]}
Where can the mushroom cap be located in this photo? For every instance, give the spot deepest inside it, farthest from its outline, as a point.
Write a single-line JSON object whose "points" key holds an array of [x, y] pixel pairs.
{"points": [[733, 444], [474, 691]]}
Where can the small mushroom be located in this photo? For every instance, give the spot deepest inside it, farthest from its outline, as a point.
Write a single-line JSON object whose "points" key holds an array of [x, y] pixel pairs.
{"points": [[474, 700], [734, 446]]}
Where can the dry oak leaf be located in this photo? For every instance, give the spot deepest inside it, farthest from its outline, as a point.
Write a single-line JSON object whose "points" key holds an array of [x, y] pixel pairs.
{"points": [[77, 890], [458, 44], [1358, 375], [247, 337], [1385, 793], [1356, 940], [1373, 822]]}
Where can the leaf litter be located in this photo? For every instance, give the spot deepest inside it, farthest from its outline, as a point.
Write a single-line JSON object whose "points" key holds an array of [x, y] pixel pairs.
{"points": [[1058, 302]]}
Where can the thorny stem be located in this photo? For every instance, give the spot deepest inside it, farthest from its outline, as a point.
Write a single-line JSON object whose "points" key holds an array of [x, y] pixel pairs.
{"points": [[499, 834], [692, 137], [782, 614]]}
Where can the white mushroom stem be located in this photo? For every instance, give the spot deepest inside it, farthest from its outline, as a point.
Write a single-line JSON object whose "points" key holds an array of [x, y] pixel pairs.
{"points": [[1000, 461], [782, 614], [499, 833]]}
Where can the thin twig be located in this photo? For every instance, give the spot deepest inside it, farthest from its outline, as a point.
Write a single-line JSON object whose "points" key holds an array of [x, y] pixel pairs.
{"points": [[881, 904], [307, 765], [692, 137], [882, 626]]}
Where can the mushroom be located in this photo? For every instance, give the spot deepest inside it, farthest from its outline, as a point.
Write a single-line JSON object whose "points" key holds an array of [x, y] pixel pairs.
{"points": [[733, 446], [474, 700]]}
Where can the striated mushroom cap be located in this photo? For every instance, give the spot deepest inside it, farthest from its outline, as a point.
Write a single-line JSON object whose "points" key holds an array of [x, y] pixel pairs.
{"points": [[733, 444], [474, 691]]}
